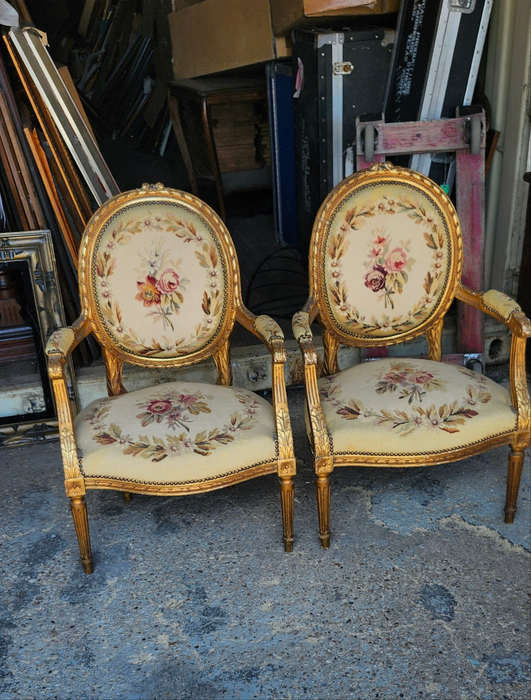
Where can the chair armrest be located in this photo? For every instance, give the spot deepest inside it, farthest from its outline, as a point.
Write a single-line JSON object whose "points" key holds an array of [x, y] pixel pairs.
{"points": [[300, 325], [263, 327], [321, 443], [267, 328], [506, 310], [499, 306], [61, 341], [270, 333], [58, 349], [64, 340]]}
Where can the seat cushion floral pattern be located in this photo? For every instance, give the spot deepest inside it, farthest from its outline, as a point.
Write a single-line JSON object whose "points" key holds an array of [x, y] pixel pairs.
{"points": [[176, 432], [412, 406], [159, 279], [388, 254]]}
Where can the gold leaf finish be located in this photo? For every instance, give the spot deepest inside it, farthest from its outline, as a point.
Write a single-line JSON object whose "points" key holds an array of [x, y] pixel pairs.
{"points": [[79, 513], [284, 436], [286, 499], [113, 367], [434, 338], [223, 365], [330, 346]]}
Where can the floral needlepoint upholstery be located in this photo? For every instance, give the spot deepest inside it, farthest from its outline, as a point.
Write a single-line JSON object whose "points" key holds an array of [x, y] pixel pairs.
{"points": [[160, 278], [412, 406], [388, 257], [175, 433]]}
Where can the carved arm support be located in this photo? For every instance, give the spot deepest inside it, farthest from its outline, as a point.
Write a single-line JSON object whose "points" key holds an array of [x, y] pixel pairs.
{"points": [[58, 349], [321, 443], [270, 333], [508, 312]]}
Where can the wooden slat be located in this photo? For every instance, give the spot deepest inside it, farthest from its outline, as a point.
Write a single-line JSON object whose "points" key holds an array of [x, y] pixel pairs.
{"points": [[47, 178], [470, 188]]}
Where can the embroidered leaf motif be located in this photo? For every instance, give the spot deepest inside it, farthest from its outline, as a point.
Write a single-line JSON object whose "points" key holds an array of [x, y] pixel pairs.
{"points": [[175, 408], [161, 287], [415, 384], [387, 267], [351, 411]]}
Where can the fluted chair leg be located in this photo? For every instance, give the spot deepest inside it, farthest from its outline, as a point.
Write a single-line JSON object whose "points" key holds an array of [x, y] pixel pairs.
{"points": [[128, 497], [322, 484], [514, 472], [79, 513], [286, 499]]}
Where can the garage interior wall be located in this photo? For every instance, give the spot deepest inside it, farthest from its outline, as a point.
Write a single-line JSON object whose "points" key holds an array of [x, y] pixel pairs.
{"points": [[507, 87]]}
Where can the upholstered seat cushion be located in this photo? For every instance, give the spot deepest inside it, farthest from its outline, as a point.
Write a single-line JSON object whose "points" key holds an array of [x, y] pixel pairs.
{"points": [[412, 406], [174, 433]]}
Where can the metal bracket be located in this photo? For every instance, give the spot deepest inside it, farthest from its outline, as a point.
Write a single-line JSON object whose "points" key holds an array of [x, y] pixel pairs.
{"points": [[344, 68], [464, 6], [370, 138], [323, 39], [474, 130], [474, 361]]}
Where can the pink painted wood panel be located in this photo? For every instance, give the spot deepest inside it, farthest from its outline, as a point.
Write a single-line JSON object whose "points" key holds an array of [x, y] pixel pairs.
{"points": [[470, 192]]}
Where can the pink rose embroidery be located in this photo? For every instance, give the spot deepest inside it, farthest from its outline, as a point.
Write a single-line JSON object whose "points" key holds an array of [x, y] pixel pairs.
{"points": [[421, 377], [375, 278], [396, 260], [187, 401], [159, 407], [168, 282], [395, 377]]}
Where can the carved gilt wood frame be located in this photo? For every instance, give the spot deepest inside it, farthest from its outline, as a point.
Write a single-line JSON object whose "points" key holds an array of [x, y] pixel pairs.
{"points": [[35, 249], [316, 308], [218, 347]]}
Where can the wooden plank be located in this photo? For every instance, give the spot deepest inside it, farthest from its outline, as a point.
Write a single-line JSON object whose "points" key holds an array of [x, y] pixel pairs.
{"points": [[36, 216], [436, 136], [12, 185], [16, 181], [70, 177], [51, 191], [470, 188]]}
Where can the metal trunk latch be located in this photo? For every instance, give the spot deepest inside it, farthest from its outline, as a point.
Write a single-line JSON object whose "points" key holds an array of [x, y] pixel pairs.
{"points": [[344, 68]]}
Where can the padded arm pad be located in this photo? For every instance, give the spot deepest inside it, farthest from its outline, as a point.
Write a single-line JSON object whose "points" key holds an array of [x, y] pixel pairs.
{"points": [[268, 328], [301, 325], [61, 341], [500, 304]]}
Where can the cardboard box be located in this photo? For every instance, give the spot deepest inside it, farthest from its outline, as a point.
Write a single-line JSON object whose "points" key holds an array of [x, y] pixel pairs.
{"points": [[288, 14], [209, 36]]}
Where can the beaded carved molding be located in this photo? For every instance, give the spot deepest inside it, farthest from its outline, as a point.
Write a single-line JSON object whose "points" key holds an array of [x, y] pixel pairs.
{"points": [[158, 277]]}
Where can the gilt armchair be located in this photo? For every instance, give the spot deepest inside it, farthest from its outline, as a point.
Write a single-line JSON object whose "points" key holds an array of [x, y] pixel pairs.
{"points": [[160, 287], [385, 265]]}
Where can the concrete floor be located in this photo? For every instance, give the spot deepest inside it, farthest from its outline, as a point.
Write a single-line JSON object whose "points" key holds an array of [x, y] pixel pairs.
{"points": [[423, 594]]}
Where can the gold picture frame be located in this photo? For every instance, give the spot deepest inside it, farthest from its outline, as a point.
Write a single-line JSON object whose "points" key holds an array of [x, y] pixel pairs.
{"points": [[33, 253]]}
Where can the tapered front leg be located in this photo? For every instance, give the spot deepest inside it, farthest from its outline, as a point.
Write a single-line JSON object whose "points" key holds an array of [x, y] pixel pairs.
{"points": [[322, 483], [128, 497], [79, 513], [514, 472], [286, 499]]}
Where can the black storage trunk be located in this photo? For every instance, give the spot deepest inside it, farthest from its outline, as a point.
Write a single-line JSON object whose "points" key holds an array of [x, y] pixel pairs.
{"points": [[344, 75], [434, 67]]}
